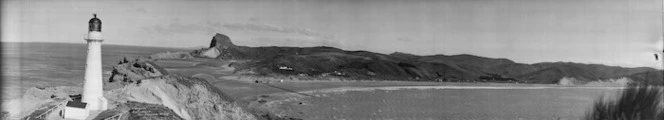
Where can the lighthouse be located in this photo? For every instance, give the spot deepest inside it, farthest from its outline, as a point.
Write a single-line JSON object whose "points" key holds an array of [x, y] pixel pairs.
{"points": [[93, 94]]}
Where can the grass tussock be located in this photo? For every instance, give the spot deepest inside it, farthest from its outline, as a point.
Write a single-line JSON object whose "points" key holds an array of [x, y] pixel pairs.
{"points": [[638, 102]]}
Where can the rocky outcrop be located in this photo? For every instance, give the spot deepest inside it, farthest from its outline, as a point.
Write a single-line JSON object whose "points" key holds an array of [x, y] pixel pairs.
{"points": [[221, 42], [220, 47], [212, 52], [133, 71]]}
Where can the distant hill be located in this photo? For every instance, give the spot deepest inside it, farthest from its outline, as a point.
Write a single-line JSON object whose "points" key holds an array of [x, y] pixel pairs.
{"points": [[550, 72], [651, 77], [322, 62]]}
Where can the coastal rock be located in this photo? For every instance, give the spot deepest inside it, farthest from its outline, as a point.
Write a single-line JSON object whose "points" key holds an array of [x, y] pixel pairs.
{"points": [[212, 52], [221, 42], [133, 71], [221, 47]]}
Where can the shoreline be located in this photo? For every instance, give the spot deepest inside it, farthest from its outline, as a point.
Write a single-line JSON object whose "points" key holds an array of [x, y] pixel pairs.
{"points": [[337, 90], [347, 89]]}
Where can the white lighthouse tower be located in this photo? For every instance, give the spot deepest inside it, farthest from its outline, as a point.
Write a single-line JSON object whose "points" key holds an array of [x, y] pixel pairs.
{"points": [[93, 93]]}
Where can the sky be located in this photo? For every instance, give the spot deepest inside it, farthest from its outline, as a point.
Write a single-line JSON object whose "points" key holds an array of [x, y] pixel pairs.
{"points": [[612, 32]]}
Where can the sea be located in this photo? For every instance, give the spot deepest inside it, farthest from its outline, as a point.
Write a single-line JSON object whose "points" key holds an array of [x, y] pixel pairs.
{"points": [[501, 103], [31, 64]]}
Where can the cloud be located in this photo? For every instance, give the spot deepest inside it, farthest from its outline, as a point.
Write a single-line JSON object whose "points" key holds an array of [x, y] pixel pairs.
{"points": [[270, 28], [179, 28], [253, 19], [249, 34], [256, 34], [140, 10], [259, 30], [405, 39], [293, 41]]}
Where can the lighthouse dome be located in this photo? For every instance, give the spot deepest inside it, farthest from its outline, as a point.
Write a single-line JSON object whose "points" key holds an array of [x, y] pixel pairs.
{"points": [[94, 24]]}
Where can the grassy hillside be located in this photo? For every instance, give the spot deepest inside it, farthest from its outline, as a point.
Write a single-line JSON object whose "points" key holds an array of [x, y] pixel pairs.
{"points": [[323, 62]]}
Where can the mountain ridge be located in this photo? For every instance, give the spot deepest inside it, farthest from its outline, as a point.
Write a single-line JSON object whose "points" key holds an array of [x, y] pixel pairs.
{"points": [[325, 62]]}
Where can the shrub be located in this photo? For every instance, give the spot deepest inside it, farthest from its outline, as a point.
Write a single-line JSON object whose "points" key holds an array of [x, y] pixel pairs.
{"points": [[639, 102]]}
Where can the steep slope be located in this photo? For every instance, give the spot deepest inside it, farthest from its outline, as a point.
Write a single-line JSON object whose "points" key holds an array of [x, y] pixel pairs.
{"points": [[187, 97]]}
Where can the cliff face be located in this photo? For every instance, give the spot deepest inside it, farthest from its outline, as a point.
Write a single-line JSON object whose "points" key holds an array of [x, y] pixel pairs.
{"points": [[187, 97], [221, 42]]}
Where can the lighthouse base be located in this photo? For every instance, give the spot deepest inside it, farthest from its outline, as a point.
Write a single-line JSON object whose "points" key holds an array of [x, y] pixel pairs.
{"points": [[100, 103]]}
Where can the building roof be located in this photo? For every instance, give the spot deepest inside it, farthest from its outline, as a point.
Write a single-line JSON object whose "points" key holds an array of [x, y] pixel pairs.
{"points": [[76, 104], [76, 97], [94, 24], [94, 19]]}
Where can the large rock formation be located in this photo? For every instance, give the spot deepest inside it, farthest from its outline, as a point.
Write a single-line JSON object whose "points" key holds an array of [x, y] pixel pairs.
{"points": [[222, 42], [220, 47]]}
